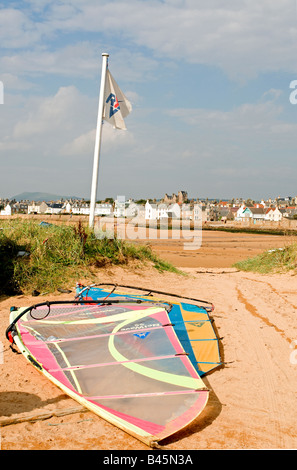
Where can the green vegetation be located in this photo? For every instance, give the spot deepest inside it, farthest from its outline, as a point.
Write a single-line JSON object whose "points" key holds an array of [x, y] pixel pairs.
{"points": [[44, 257], [256, 230], [278, 260]]}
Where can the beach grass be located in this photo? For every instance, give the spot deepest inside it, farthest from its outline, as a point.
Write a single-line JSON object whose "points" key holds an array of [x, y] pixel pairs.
{"points": [[44, 257], [251, 230], [271, 261]]}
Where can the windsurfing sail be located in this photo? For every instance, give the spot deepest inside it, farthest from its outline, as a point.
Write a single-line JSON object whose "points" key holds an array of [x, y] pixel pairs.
{"points": [[190, 318], [121, 358]]}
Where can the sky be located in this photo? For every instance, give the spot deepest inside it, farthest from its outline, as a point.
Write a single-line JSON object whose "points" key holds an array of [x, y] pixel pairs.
{"points": [[209, 82]]}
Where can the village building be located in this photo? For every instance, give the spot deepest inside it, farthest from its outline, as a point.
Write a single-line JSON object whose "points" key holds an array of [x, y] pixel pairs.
{"points": [[6, 211], [21, 207], [162, 211], [212, 213], [274, 214], [291, 212], [180, 198], [54, 208], [37, 207], [254, 213], [198, 212], [187, 211], [83, 208], [239, 213], [227, 213], [123, 208]]}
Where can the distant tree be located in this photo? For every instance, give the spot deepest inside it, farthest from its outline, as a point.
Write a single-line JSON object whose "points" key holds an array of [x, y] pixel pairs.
{"points": [[141, 201], [250, 202]]}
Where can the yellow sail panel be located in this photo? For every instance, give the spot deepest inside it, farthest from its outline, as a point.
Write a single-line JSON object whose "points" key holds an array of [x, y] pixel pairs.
{"points": [[188, 315], [206, 353], [200, 330]]}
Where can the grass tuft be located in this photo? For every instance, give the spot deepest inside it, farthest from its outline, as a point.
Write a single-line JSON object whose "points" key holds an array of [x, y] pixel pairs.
{"points": [[277, 260]]}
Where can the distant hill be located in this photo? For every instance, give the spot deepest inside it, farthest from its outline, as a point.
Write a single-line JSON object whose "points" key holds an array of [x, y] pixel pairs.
{"points": [[41, 197]]}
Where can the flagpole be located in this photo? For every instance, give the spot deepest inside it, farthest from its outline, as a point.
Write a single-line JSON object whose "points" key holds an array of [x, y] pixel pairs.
{"points": [[98, 141]]}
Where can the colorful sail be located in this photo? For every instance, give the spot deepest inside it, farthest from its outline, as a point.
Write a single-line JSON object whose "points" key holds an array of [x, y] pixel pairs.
{"points": [[121, 358]]}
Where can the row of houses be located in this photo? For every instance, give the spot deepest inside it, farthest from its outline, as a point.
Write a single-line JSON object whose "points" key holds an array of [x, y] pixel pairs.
{"points": [[207, 212], [58, 208], [272, 214], [118, 209], [214, 212], [254, 213]]}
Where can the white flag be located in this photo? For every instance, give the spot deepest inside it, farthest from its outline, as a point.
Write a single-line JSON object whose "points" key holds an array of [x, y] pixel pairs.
{"points": [[116, 105]]}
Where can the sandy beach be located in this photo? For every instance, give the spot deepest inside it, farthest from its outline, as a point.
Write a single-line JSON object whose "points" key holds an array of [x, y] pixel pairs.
{"points": [[252, 402]]}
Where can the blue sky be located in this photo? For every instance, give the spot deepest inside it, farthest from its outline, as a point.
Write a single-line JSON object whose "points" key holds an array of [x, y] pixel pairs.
{"points": [[209, 83]]}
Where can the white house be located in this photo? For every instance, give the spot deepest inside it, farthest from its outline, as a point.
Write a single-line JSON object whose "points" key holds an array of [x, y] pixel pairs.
{"points": [[151, 211], [55, 208], [162, 211], [67, 207], [132, 209], [250, 213], [255, 213], [123, 208], [84, 209], [103, 209], [197, 212], [258, 213], [37, 207], [6, 210], [81, 208], [273, 214], [187, 211], [239, 214]]}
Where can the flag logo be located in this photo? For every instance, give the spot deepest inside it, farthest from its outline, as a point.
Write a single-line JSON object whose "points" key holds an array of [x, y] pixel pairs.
{"points": [[114, 104]]}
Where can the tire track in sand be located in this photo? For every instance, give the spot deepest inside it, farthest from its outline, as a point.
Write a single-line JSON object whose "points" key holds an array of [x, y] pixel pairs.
{"points": [[256, 314], [271, 387], [275, 291]]}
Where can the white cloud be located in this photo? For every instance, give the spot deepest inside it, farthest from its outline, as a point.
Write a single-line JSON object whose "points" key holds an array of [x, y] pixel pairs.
{"points": [[113, 140], [81, 145], [17, 30], [15, 146], [81, 59], [246, 118], [76, 59], [13, 82], [242, 38], [50, 114], [60, 125]]}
